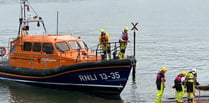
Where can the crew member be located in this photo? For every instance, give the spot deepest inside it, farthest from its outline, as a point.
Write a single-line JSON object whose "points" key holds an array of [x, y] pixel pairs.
{"points": [[160, 83], [123, 42], [191, 83], [104, 41], [194, 71], [179, 86]]}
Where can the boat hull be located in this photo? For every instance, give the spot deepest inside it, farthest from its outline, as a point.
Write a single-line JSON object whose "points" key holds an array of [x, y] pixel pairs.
{"points": [[109, 77]]}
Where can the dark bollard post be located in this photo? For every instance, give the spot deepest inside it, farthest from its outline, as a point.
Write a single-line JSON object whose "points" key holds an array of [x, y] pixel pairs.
{"points": [[134, 59]]}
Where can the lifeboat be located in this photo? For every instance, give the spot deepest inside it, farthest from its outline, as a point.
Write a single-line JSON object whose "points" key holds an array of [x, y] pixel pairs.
{"points": [[60, 61]]}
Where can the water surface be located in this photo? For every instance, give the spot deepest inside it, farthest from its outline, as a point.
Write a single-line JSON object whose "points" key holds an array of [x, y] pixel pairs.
{"points": [[174, 34]]}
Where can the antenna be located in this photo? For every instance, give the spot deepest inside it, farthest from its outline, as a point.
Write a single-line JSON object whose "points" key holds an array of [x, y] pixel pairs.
{"points": [[57, 21]]}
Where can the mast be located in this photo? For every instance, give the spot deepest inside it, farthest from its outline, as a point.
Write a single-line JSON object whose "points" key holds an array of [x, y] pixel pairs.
{"points": [[25, 19]]}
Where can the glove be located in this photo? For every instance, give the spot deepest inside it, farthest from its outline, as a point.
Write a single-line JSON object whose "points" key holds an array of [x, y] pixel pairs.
{"points": [[173, 87], [197, 83]]}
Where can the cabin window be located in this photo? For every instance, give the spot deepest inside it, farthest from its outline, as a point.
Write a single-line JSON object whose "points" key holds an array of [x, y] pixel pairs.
{"points": [[37, 47], [48, 48], [62, 46], [83, 44], [74, 45], [27, 46]]}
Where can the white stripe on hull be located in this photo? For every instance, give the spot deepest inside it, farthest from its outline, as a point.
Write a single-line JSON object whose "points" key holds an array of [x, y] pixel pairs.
{"points": [[64, 84]]}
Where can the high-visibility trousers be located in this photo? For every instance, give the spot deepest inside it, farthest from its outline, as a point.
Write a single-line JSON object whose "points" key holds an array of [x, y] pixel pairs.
{"points": [[122, 49], [123, 45], [160, 93], [106, 49], [190, 97], [105, 46], [190, 92], [179, 95]]}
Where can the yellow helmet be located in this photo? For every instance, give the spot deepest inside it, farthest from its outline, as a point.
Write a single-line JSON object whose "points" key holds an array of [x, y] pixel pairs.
{"points": [[101, 30], [183, 73], [164, 69], [126, 28]]}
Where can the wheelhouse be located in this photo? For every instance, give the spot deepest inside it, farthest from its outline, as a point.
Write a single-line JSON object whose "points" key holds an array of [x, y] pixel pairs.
{"points": [[41, 52]]}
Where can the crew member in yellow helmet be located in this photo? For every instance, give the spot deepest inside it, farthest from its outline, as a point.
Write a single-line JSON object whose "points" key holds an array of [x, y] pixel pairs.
{"points": [[160, 83], [123, 43], [191, 83], [179, 86], [104, 41]]}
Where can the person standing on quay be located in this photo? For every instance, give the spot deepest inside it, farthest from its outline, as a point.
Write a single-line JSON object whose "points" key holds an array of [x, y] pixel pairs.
{"points": [[179, 86], [191, 83], [160, 83]]}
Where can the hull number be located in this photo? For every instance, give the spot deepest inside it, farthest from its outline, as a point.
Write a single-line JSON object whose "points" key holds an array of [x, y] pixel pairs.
{"points": [[100, 76]]}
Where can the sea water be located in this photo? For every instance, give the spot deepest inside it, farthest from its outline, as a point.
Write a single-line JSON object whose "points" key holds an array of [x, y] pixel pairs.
{"points": [[171, 33]]}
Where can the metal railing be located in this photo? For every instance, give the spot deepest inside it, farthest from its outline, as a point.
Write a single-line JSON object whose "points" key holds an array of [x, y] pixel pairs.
{"points": [[114, 49]]}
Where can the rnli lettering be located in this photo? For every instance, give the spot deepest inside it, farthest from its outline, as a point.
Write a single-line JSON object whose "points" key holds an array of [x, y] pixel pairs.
{"points": [[87, 77], [100, 76]]}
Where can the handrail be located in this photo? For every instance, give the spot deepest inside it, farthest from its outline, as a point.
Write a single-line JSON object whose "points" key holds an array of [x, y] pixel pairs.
{"points": [[115, 45]]}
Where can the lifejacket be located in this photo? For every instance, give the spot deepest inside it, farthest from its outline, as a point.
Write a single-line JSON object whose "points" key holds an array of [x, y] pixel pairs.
{"points": [[158, 79], [178, 82], [190, 77], [124, 36], [103, 38], [178, 78]]}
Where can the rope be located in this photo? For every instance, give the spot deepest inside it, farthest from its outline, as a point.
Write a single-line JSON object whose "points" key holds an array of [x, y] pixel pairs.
{"points": [[198, 100]]}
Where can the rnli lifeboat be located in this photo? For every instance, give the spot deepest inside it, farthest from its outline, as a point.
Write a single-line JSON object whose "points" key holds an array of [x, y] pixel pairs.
{"points": [[60, 61]]}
